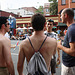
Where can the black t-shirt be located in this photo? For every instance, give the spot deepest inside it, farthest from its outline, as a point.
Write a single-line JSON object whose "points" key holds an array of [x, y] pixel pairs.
{"points": [[69, 60]]}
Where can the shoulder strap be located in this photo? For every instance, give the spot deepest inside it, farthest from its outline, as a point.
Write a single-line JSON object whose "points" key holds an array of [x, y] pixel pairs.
{"points": [[40, 46], [31, 44], [42, 43]]}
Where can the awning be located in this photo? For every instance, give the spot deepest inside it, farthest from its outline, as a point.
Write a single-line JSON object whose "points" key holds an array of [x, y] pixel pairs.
{"points": [[54, 27], [61, 24]]}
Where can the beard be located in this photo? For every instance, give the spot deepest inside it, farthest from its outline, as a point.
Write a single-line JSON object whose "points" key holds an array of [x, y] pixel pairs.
{"points": [[64, 21]]}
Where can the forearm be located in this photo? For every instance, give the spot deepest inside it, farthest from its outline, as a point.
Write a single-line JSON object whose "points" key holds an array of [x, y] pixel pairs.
{"points": [[67, 50], [20, 69], [58, 52], [11, 69]]}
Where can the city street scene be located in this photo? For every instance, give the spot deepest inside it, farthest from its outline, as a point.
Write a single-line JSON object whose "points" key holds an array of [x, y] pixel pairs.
{"points": [[60, 18]]}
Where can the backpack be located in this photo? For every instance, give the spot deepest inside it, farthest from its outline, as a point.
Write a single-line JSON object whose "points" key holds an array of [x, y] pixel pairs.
{"points": [[37, 64]]}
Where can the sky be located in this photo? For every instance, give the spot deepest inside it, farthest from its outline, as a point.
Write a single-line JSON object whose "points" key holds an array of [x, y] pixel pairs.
{"points": [[15, 4]]}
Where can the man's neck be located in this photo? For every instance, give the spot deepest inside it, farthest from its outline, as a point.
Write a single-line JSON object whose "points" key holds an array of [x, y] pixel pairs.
{"points": [[2, 32], [70, 22], [49, 31], [39, 32]]}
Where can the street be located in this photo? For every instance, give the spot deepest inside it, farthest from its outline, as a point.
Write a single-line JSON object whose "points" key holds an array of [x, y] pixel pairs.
{"points": [[14, 53]]}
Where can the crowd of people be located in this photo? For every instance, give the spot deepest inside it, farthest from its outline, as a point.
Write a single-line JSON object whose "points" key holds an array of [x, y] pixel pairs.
{"points": [[40, 48]]}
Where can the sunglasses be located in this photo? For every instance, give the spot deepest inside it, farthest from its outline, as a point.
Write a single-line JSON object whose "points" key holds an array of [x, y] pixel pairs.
{"points": [[7, 24], [49, 24]]}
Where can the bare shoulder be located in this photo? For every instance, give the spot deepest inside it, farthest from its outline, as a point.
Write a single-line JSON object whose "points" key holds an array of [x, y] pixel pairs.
{"points": [[5, 40], [53, 40], [24, 43]]}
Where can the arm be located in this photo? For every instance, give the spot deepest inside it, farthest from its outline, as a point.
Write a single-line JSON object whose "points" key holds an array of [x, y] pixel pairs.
{"points": [[55, 48], [21, 59], [7, 56], [70, 51], [58, 59]]}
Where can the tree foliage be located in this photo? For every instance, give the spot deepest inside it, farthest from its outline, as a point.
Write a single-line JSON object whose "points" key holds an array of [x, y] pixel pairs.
{"points": [[40, 10], [53, 7]]}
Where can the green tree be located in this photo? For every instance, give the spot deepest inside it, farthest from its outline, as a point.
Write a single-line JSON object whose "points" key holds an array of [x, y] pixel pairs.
{"points": [[53, 7], [40, 10]]}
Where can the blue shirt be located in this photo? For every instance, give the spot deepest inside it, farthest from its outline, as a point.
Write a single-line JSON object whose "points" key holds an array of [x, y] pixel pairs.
{"points": [[69, 60], [58, 31]]}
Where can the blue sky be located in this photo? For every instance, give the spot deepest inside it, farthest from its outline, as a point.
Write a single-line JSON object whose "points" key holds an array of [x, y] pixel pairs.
{"points": [[14, 4]]}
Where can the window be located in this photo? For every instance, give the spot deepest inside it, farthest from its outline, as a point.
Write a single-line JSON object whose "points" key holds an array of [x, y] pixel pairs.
{"points": [[73, 0], [63, 2], [74, 14], [47, 10]]}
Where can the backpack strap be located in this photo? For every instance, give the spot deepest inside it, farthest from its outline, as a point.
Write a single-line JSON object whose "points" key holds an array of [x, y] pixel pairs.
{"points": [[40, 46], [31, 43], [42, 43]]}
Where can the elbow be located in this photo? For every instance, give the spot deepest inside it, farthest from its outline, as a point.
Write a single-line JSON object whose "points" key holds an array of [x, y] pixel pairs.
{"points": [[73, 53], [9, 64]]}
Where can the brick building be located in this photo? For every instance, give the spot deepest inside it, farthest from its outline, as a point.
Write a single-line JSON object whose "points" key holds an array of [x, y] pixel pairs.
{"points": [[46, 9], [31, 9], [65, 4], [7, 14]]}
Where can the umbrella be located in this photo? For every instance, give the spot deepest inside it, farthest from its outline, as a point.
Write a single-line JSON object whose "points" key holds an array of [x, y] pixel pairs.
{"points": [[30, 28], [19, 28], [54, 27], [24, 28]]}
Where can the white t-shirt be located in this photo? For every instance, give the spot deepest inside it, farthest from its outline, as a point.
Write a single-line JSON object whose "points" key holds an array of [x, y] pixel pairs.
{"points": [[7, 35], [51, 34]]}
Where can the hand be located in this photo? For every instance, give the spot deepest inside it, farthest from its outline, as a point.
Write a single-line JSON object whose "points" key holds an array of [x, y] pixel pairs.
{"points": [[58, 60]]}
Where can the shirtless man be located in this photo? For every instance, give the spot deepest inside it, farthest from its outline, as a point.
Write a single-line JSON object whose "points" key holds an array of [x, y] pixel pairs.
{"points": [[6, 64], [26, 50]]}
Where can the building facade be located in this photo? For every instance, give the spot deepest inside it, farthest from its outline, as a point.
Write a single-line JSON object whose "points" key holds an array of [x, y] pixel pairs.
{"points": [[22, 22], [46, 9], [7, 14], [24, 11]]}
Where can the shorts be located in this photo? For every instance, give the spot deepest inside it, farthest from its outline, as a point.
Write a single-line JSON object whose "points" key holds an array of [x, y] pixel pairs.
{"points": [[4, 71], [53, 65], [67, 70]]}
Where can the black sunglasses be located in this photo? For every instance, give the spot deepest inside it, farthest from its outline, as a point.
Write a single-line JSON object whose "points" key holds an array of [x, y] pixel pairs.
{"points": [[7, 24], [49, 24]]}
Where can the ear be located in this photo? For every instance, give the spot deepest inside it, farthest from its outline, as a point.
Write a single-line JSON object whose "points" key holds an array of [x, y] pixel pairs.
{"points": [[3, 26], [66, 15]]}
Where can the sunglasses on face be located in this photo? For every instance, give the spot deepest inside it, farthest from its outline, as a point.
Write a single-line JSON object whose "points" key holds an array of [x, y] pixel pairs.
{"points": [[7, 24], [49, 24]]}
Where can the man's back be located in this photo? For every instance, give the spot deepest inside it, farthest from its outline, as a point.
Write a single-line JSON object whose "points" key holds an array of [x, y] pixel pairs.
{"points": [[46, 50]]}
